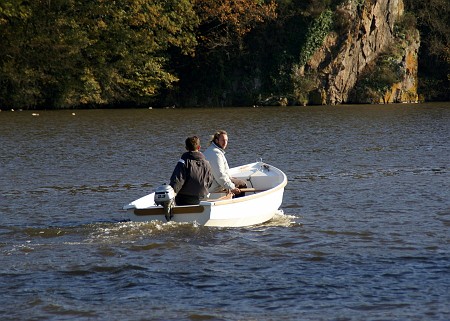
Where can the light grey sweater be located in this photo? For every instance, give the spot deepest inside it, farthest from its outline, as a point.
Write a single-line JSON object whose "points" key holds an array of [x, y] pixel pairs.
{"points": [[220, 169]]}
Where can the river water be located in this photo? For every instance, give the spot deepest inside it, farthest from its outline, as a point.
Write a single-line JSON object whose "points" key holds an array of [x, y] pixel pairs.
{"points": [[363, 233]]}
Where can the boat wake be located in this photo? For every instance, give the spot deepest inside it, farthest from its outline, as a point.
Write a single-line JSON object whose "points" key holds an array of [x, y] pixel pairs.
{"points": [[281, 219]]}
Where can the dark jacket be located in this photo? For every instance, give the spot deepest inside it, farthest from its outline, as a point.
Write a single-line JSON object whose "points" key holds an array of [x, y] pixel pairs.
{"points": [[192, 175]]}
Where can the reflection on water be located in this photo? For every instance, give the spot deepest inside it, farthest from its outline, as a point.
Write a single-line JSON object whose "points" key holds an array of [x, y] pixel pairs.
{"points": [[362, 232]]}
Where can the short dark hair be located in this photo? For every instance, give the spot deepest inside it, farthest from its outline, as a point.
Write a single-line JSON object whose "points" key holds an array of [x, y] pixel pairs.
{"points": [[192, 143]]}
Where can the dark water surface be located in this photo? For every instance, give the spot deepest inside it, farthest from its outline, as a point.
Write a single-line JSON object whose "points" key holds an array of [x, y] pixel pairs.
{"points": [[364, 235]]}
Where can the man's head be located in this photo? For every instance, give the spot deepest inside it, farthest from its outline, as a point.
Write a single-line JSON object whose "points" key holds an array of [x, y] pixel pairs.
{"points": [[193, 143], [220, 138]]}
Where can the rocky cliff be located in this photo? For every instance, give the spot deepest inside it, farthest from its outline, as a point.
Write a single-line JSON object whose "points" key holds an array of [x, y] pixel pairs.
{"points": [[371, 59]]}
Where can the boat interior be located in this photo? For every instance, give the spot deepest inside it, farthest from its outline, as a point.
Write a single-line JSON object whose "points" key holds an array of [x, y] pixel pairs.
{"points": [[258, 180]]}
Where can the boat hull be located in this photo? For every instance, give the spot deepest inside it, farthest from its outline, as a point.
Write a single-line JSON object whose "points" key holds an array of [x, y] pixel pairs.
{"points": [[258, 206]]}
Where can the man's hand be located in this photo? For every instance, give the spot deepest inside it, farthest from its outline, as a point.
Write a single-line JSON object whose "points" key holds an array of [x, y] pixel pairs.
{"points": [[236, 191]]}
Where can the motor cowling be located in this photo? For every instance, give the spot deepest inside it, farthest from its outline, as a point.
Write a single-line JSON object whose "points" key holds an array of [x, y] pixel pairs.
{"points": [[165, 196]]}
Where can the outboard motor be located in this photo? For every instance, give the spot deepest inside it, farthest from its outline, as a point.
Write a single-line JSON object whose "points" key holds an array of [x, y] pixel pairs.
{"points": [[165, 196]]}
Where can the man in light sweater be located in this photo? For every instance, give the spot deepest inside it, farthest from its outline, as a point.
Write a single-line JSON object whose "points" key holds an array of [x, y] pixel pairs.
{"points": [[215, 154]]}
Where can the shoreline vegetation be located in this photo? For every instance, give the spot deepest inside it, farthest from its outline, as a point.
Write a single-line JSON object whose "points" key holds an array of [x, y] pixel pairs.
{"points": [[73, 111], [204, 53]]}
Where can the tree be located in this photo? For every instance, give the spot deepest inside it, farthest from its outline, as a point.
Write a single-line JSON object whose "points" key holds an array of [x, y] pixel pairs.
{"points": [[433, 21], [224, 23], [67, 53], [221, 69]]}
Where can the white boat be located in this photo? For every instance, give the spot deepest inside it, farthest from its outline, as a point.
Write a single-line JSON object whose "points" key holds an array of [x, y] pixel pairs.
{"points": [[262, 199]]}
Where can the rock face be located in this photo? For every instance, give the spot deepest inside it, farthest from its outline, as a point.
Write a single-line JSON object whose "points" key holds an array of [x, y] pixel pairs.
{"points": [[406, 90], [342, 60]]}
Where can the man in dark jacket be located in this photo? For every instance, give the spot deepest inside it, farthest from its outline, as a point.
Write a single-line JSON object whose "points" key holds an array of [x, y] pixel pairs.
{"points": [[192, 175]]}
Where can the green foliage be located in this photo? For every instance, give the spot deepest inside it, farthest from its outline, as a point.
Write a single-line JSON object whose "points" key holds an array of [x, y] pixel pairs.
{"points": [[71, 53], [378, 78], [317, 32], [233, 62], [433, 22], [10, 9], [304, 84], [406, 26]]}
